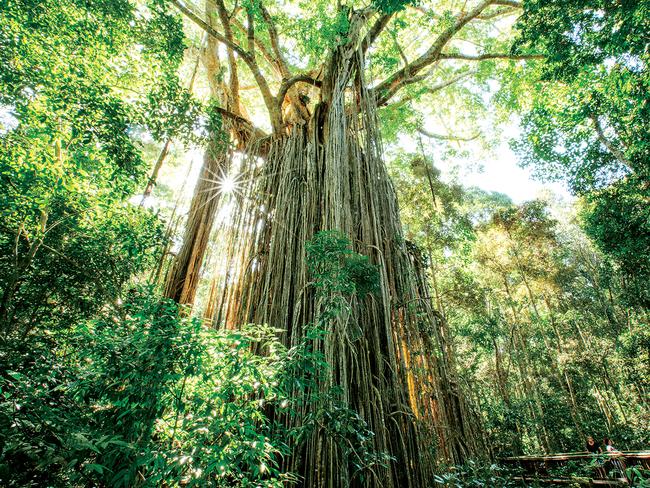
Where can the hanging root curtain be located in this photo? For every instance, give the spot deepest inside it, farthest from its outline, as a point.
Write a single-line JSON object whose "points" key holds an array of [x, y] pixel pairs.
{"points": [[389, 356]]}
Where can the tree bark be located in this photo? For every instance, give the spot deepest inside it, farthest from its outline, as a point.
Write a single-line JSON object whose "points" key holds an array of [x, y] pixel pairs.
{"points": [[183, 277]]}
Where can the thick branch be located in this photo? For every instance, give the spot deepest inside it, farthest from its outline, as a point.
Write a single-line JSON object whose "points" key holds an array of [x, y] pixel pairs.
{"points": [[232, 60], [232, 115], [269, 100], [275, 44], [508, 3], [246, 131], [376, 29], [288, 83], [250, 20], [497, 13], [386, 89]]}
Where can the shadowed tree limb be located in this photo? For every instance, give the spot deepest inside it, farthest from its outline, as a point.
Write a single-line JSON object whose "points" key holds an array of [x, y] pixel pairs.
{"points": [[250, 32], [288, 83], [508, 3], [232, 61], [275, 43], [497, 13], [376, 29]]}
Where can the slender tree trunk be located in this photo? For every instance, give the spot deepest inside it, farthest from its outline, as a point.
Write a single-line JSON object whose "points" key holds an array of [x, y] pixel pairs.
{"points": [[183, 277], [156, 169], [153, 179], [531, 392], [184, 274]]}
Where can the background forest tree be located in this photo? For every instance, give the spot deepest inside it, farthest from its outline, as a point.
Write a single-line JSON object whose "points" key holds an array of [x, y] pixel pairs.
{"points": [[549, 346], [382, 352]]}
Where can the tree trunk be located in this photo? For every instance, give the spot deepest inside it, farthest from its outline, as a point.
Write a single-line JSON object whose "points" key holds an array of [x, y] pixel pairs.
{"points": [[388, 357], [183, 277]]}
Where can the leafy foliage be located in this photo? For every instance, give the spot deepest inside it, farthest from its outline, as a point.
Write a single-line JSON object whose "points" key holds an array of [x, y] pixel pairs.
{"points": [[588, 124], [339, 273], [336, 268], [142, 395], [141, 398], [392, 6], [475, 474], [617, 219], [104, 383], [70, 158]]}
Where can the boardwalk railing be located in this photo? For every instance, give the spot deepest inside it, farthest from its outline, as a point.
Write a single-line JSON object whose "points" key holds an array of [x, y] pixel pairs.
{"points": [[608, 469]]}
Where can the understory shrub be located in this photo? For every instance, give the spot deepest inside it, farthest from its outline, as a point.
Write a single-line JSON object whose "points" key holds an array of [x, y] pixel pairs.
{"points": [[144, 395]]}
